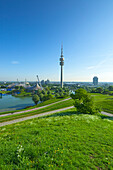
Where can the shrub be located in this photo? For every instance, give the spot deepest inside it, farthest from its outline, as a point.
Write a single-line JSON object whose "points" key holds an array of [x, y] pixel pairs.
{"points": [[84, 102], [35, 98]]}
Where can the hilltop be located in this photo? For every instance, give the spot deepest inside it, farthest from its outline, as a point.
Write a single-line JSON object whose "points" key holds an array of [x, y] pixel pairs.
{"points": [[64, 140]]}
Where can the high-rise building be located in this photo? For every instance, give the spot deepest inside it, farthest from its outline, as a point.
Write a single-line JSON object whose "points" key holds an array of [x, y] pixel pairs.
{"points": [[62, 63], [95, 80]]}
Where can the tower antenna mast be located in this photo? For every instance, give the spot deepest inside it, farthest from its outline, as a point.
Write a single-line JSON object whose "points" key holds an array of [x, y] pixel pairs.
{"points": [[61, 63]]}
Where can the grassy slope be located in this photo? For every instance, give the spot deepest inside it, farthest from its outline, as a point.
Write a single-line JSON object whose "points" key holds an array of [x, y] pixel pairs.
{"points": [[104, 101], [59, 141], [46, 109]]}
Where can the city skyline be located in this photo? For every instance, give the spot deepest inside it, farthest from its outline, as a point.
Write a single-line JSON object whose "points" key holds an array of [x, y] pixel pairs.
{"points": [[31, 34]]}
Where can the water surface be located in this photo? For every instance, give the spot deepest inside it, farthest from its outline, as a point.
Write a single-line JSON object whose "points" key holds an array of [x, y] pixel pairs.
{"points": [[9, 103]]}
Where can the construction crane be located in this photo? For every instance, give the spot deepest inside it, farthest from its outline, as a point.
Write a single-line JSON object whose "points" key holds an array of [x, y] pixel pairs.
{"points": [[39, 82]]}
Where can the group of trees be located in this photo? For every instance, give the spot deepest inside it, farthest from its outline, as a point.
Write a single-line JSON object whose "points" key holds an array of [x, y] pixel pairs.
{"points": [[18, 89], [41, 95], [49, 93], [103, 90], [61, 92]]}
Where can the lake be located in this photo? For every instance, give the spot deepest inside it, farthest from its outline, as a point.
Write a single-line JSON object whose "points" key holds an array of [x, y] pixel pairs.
{"points": [[9, 103]]}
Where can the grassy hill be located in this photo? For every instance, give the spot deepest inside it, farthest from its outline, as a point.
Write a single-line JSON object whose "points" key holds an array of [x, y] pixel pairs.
{"points": [[104, 101], [64, 140]]}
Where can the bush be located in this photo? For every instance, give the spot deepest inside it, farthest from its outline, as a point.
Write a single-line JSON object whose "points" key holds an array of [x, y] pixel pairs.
{"points": [[84, 102], [35, 98]]}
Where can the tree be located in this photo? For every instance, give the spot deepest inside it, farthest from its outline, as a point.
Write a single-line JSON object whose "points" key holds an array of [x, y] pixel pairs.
{"points": [[47, 88], [45, 97], [35, 98], [41, 97], [49, 92], [106, 91], [110, 88], [17, 87], [61, 94], [57, 95], [38, 92], [99, 90], [84, 102], [50, 96], [66, 94], [43, 92]]}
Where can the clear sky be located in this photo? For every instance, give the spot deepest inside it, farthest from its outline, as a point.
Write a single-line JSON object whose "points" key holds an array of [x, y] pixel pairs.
{"points": [[32, 31]]}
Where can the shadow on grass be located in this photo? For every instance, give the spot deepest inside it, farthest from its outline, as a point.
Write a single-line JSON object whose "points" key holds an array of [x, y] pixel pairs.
{"points": [[68, 113], [106, 117]]}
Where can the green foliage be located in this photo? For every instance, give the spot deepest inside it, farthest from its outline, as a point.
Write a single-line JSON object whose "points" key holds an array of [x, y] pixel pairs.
{"points": [[17, 87], [43, 92], [47, 97], [84, 102], [57, 95], [47, 88], [41, 97], [49, 92], [38, 92], [106, 91], [99, 90], [35, 98], [110, 88]]}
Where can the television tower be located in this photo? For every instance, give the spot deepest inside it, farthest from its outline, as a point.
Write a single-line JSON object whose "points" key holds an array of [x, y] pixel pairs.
{"points": [[62, 63]]}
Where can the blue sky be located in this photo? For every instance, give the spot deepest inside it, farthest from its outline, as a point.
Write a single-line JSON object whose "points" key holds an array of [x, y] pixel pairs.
{"points": [[32, 31]]}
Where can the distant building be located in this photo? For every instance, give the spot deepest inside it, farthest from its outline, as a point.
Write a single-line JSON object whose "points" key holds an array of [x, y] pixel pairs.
{"points": [[47, 82], [32, 88], [42, 82], [95, 80]]}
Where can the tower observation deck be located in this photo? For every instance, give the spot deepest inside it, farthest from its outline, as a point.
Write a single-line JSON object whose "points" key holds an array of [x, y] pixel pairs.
{"points": [[61, 63]]}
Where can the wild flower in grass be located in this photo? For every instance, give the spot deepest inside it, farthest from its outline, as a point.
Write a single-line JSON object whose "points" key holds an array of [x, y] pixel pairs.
{"points": [[20, 150], [86, 117], [3, 129]]}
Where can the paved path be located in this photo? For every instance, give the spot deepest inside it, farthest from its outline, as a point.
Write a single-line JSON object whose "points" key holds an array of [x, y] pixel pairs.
{"points": [[35, 116], [25, 111], [107, 114]]}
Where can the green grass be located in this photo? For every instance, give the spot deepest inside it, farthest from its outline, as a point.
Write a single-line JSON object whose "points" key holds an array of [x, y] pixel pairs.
{"points": [[38, 105], [56, 106], [60, 141], [104, 101], [4, 92], [23, 94]]}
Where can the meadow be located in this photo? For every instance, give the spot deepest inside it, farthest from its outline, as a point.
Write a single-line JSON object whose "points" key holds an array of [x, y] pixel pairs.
{"points": [[65, 140], [105, 102]]}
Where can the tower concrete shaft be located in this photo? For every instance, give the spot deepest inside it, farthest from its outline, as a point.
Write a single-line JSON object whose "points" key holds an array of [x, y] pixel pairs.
{"points": [[62, 63]]}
